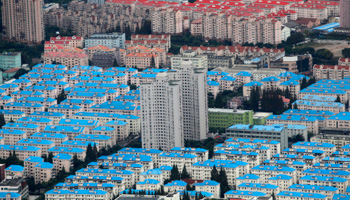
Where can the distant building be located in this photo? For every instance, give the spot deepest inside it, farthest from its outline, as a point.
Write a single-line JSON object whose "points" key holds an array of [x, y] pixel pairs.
{"points": [[99, 2], [17, 185], [9, 60], [224, 118], [104, 59], [110, 40], [344, 13]]}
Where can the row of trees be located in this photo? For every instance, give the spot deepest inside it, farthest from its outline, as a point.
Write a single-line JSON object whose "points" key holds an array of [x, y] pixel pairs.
{"points": [[220, 177]]}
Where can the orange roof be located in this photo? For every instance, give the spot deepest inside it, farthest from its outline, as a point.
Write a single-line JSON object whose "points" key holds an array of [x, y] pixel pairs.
{"points": [[149, 55], [65, 55], [156, 49], [55, 47], [12, 70], [73, 49], [138, 47], [99, 47]]}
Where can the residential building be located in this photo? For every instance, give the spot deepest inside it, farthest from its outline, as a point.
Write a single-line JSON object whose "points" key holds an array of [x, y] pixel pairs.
{"points": [[9, 60], [67, 59], [344, 15], [74, 41], [333, 72], [224, 118], [156, 131], [27, 25], [168, 21], [198, 61], [110, 40]]}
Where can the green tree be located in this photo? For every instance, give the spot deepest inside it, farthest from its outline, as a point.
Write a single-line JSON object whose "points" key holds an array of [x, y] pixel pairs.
{"points": [[224, 186], [184, 173], [296, 138], [133, 87], [303, 83], [174, 173], [295, 106], [153, 63], [338, 99], [2, 120], [346, 53], [295, 38], [89, 154], [324, 54], [215, 176], [50, 158], [61, 97]]}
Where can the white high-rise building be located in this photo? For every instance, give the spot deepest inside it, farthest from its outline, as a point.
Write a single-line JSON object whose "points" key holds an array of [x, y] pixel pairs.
{"points": [[194, 99], [174, 108], [161, 113]]}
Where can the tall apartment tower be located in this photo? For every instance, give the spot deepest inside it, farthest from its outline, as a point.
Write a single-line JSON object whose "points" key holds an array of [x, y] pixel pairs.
{"points": [[345, 13], [194, 99], [22, 20], [161, 113]]}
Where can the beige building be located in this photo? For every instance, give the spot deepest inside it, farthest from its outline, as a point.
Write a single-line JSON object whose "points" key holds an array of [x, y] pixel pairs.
{"points": [[141, 60], [67, 59], [308, 10], [74, 41], [23, 20], [335, 72], [167, 21], [43, 172]]}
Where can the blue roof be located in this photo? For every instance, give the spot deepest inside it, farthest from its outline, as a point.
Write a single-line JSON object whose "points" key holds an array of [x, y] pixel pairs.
{"points": [[15, 168], [290, 82], [178, 155], [319, 98], [302, 195], [63, 106], [19, 104], [133, 191], [207, 182], [292, 118], [176, 183], [142, 75], [11, 195], [341, 116], [322, 91], [284, 162], [323, 178], [341, 197], [314, 144], [18, 147], [36, 99], [298, 150], [257, 127], [48, 135], [217, 73], [139, 150], [253, 84], [281, 177], [286, 74], [258, 185], [34, 119], [12, 131], [308, 112], [92, 137], [73, 129], [66, 149], [165, 168], [63, 156], [152, 171], [213, 83], [104, 171], [78, 143], [326, 172], [313, 187], [270, 79], [245, 193], [127, 157], [122, 69], [234, 152], [195, 193], [243, 73], [248, 176], [77, 101], [327, 26], [115, 122], [78, 122], [77, 191], [188, 149], [34, 159], [220, 163], [319, 104], [48, 114], [148, 181], [45, 165], [273, 168], [252, 141], [35, 142]]}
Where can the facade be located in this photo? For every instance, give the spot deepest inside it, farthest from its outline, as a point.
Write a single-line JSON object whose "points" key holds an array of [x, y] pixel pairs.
{"points": [[67, 59], [224, 118], [110, 40], [158, 98], [27, 25], [344, 14], [9, 60]]}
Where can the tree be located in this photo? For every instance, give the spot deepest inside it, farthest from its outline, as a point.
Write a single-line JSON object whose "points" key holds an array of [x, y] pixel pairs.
{"points": [[133, 87], [185, 174], [295, 106], [218, 103], [50, 158], [338, 99], [89, 154], [346, 52], [295, 38], [224, 187], [174, 173], [2, 120], [324, 54], [303, 83], [153, 63], [311, 81], [296, 138], [214, 174], [61, 97]]}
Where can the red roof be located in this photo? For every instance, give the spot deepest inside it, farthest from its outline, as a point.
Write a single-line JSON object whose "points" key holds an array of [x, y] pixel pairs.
{"points": [[208, 2], [311, 6], [325, 3], [192, 181], [60, 38], [219, 7], [196, 5], [282, 3], [65, 55], [255, 10], [344, 59], [121, 1], [57, 42], [262, 6], [12, 70], [228, 3], [287, 11]]}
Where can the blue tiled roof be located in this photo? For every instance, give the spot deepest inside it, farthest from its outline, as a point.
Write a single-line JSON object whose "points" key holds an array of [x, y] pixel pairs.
{"points": [[77, 191], [34, 159], [176, 183], [319, 104], [257, 127], [189, 149], [252, 141], [35, 142], [104, 171], [48, 114], [12, 131], [45, 165], [341, 116], [49, 135], [178, 155], [313, 187], [308, 112], [195, 193], [220, 163], [12, 195], [314, 144], [152, 171], [323, 178], [258, 185], [341, 197], [270, 79], [15, 168], [18, 148], [253, 83], [19, 104], [243, 73], [148, 181], [78, 143], [66, 149], [92, 137], [63, 156], [207, 182], [248, 176], [34, 119], [53, 128], [139, 150], [228, 78], [245, 193], [78, 122], [281, 177], [302, 195], [286, 74], [292, 118], [322, 91], [319, 98], [213, 83], [274, 168]]}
